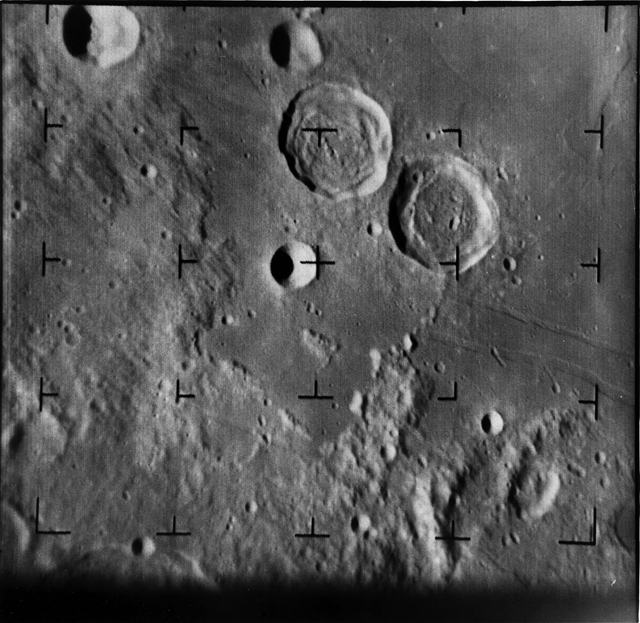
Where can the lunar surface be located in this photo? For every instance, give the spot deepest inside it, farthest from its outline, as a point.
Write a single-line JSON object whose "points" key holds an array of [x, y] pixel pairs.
{"points": [[320, 313]]}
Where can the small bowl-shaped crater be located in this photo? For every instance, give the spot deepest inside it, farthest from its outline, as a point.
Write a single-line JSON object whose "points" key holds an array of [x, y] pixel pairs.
{"points": [[142, 546], [101, 35], [492, 423], [293, 265], [294, 46]]}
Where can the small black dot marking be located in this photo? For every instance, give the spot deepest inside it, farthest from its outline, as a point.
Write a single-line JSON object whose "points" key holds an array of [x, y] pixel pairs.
{"points": [[455, 263], [46, 532], [48, 125], [592, 535], [457, 131], [318, 262], [179, 395], [593, 402], [46, 259], [312, 534], [182, 261], [44, 394], [315, 395], [173, 532], [453, 536], [320, 131], [599, 131], [595, 265], [455, 393], [186, 128]]}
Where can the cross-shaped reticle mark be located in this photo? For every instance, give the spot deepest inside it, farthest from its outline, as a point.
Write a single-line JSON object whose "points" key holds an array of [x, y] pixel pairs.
{"points": [[595, 265], [48, 125], [186, 128], [320, 131], [182, 261], [312, 534], [593, 402], [49, 532], [179, 395], [592, 534], [455, 393], [600, 131], [173, 532], [315, 395], [453, 536], [457, 131], [46, 259], [455, 263], [44, 394], [318, 262]]}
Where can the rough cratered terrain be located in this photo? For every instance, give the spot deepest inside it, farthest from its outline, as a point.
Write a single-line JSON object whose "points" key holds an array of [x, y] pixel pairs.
{"points": [[390, 398]]}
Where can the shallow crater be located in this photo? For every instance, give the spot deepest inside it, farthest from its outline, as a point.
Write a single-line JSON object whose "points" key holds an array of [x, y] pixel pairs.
{"points": [[337, 141], [442, 208]]}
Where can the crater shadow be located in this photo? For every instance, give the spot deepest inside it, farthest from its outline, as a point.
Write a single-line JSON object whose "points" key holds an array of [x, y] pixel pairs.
{"points": [[395, 206], [280, 46], [281, 266], [76, 31]]}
